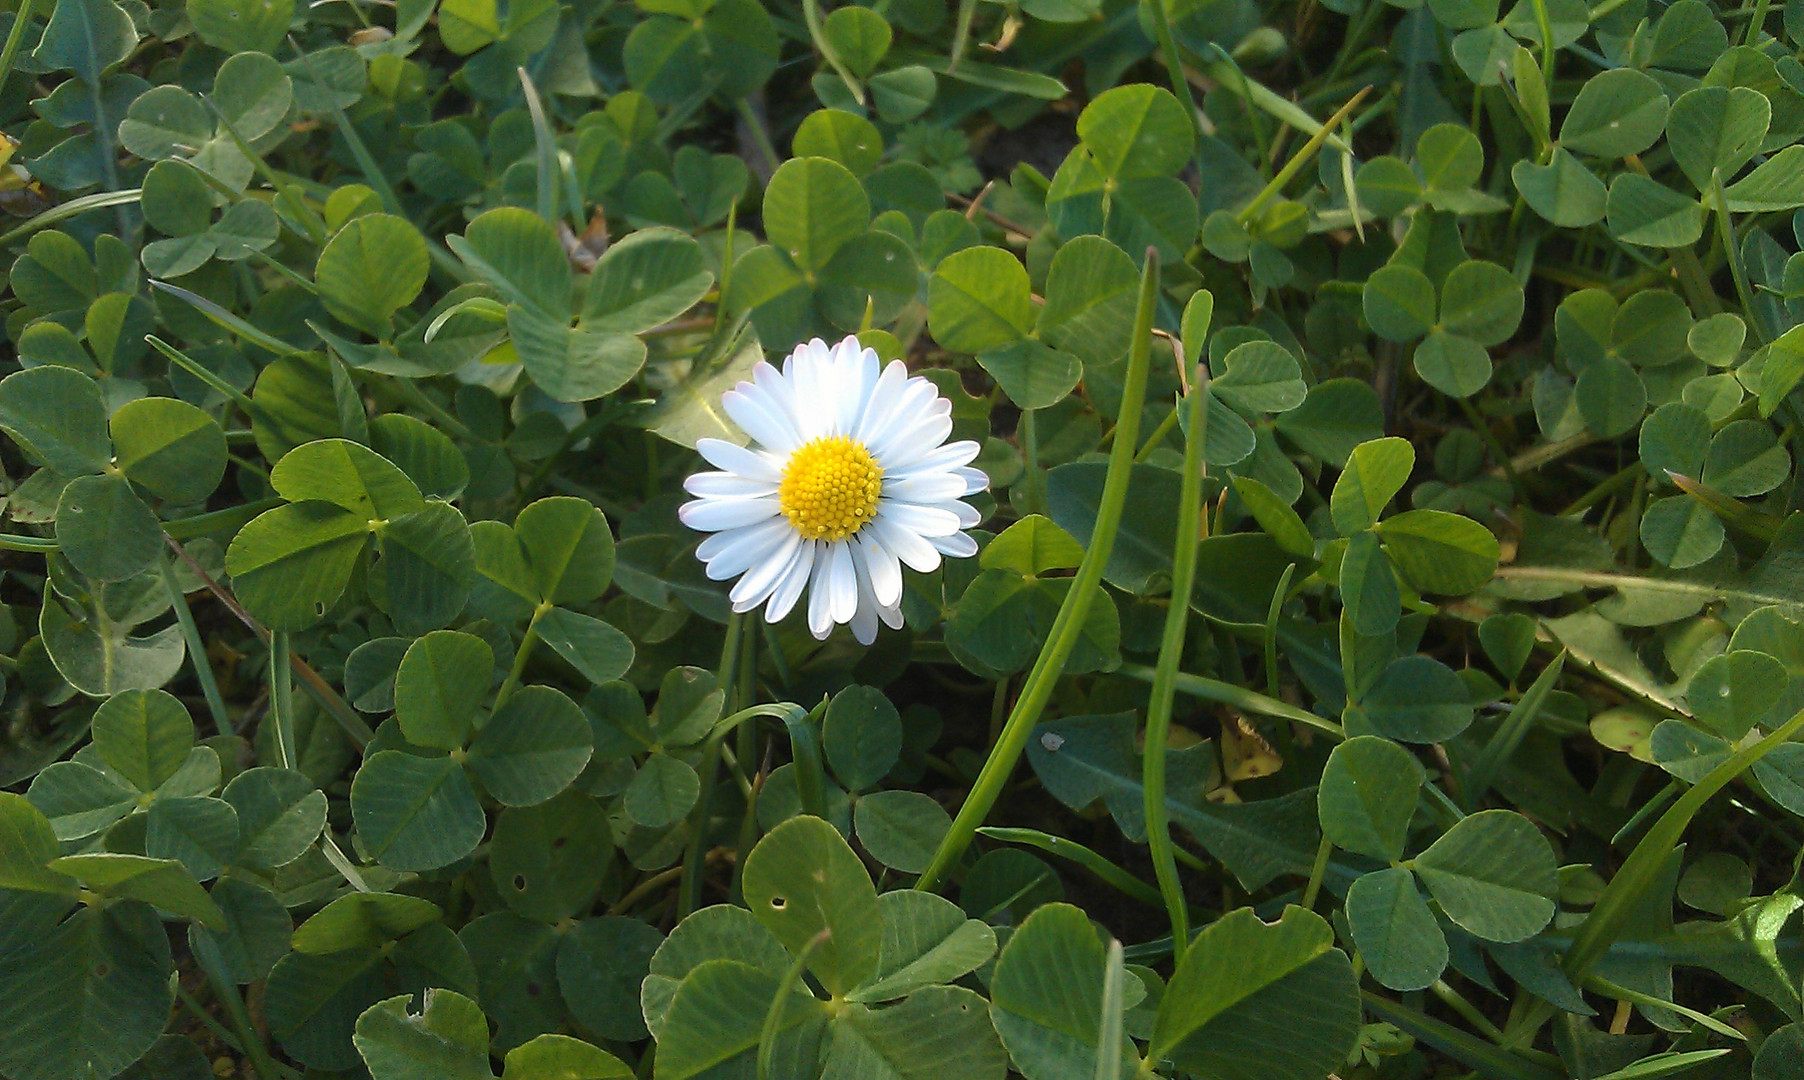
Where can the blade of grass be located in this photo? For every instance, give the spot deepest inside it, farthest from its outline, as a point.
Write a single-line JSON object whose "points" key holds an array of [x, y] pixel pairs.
{"points": [[1300, 158], [811, 14], [1109, 1025], [1643, 865], [961, 33], [1037, 690], [773, 1018], [1623, 993], [1510, 733], [197, 651], [1074, 852], [1488, 1060], [193, 367], [1174, 69], [15, 35], [225, 320], [1237, 696], [73, 208], [1279, 595], [545, 146], [442, 259], [33, 545], [352, 724], [1171, 645]]}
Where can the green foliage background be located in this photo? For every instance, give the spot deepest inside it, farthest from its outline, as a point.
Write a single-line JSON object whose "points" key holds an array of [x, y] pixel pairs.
{"points": [[1431, 710]]}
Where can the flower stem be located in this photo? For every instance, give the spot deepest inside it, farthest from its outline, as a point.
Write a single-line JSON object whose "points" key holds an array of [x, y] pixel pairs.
{"points": [[1171, 652], [1069, 624]]}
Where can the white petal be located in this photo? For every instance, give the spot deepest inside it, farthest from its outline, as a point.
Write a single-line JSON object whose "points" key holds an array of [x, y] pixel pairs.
{"points": [[881, 567], [891, 616], [864, 623], [915, 552], [761, 418], [820, 597], [976, 480], [807, 352], [968, 517], [958, 545], [856, 379], [886, 393], [713, 515], [920, 488], [842, 580], [779, 392], [729, 554], [737, 459], [911, 442], [762, 576], [905, 407], [789, 590], [728, 485], [920, 520], [945, 459], [808, 380]]}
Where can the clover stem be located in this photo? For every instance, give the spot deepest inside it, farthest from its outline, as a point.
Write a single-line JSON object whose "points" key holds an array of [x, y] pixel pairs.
{"points": [[1068, 626], [528, 642], [1477, 420], [1317, 872], [1029, 432]]}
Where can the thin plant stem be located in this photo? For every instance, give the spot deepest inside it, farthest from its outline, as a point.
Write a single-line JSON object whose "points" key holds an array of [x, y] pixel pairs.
{"points": [[1066, 627], [760, 134], [225, 991], [1030, 456], [1477, 420], [1174, 68], [961, 34], [1157, 438], [1317, 872], [353, 725], [1455, 1001], [1171, 653], [732, 654], [197, 651], [1726, 231], [281, 697], [645, 888], [528, 642], [726, 268]]}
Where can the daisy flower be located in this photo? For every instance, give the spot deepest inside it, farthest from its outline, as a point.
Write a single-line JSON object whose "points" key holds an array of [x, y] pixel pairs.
{"points": [[849, 478]]}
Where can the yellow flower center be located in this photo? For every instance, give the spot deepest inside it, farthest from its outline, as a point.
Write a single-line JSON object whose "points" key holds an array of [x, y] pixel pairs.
{"points": [[830, 488]]}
